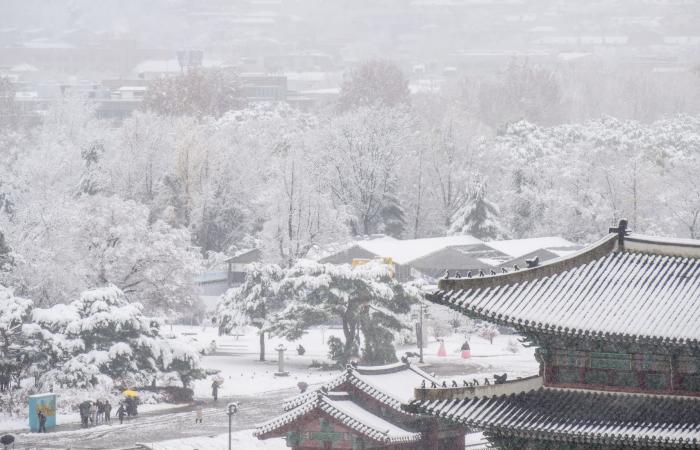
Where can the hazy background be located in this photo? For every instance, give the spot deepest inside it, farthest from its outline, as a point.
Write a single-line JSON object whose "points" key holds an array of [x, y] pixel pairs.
{"points": [[631, 58]]}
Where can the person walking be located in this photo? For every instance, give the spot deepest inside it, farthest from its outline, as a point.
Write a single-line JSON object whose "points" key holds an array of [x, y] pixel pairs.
{"points": [[84, 409], [81, 410], [199, 414], [121, 412], [215, 390], [100, 411], [42, 422], [108, 411], [93, 414]]}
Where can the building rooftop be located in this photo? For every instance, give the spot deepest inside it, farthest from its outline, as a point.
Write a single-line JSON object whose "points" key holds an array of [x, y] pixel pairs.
{"points": [[341, 407], [573, 416], [622, 288], [407, 250], [392, 384]]}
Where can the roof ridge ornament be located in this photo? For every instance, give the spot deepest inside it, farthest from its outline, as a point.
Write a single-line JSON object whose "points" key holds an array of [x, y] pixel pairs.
{"points": [[621, 231]]}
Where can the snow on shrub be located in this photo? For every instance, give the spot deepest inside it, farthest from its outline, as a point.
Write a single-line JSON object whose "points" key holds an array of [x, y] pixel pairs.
{"points": [[103, 335], [512, 346]]}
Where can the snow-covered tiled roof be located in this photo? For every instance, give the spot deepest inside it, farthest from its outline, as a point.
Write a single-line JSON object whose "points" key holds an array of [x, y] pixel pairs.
{"points": [[642, 288], [405, 251], [572, 416], [341, 407], [519, 247], [391, 384]]}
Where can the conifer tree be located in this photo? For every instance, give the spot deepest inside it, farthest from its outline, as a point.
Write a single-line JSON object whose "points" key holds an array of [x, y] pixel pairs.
{"points": [[103, 336], [366, 298], [476, 216], [254, 302]]}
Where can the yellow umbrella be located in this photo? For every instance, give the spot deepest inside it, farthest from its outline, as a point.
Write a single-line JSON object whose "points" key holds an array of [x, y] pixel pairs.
{"points": [[130, 393]]}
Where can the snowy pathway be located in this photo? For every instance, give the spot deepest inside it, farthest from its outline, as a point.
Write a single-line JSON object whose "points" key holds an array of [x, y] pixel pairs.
{"points": [[159, 426]]}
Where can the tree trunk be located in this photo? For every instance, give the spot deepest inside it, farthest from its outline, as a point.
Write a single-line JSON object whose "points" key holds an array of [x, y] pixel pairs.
{"points": [[262, 345], [349, 332]]}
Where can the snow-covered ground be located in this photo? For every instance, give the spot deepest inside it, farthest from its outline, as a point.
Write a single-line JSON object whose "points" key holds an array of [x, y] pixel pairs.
{"points": [[21, 423], [244, 440], [237, 359], [486, 359], [240, 440]]}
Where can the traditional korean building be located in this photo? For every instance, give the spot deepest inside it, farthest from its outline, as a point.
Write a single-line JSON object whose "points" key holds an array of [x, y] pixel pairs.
{"points": [[617, 326], [362, 409]]}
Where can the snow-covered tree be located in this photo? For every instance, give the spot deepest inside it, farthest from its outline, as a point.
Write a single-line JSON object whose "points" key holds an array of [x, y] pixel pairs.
{"points": [[105, 240], [301, 213], [376, 82], [9, 111], [477, 216], [205, 92], [94, 178], [523, 91], [488, 331], [363, 149], [255, 302], [5, 254], [104, 336], [18, 352], [366, 298]]}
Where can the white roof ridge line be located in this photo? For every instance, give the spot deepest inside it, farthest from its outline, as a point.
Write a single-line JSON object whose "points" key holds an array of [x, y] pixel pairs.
{"points": [[622, 393]]}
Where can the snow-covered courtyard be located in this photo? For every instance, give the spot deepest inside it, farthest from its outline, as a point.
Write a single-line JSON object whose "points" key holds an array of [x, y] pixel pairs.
{"points": [[259, 392]]}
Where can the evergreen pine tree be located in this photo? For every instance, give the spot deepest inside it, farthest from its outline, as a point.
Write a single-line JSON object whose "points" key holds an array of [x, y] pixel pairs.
{"points": [[101, 335], [94, 177], [5, 254], [392, 215], [367, 299], [18, 351], [476, 216], [254, 302]]}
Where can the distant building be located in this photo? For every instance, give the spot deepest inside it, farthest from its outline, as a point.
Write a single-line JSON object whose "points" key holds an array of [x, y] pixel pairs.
{"points": [[153, 69], [429, 258], [263, 87], [212, 284], [238, 264]]}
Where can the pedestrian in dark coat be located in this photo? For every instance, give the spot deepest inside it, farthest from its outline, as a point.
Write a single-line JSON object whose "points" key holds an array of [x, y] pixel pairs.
{"points": [[215, 390], [121, 412], [108, 411], [84, 409], [42, 422]]}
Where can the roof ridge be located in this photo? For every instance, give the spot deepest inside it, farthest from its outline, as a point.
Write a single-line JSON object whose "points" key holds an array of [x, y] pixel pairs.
{"points": [[602, 247], [601, 393], [380, 370], [616, 287], [303, 397], [326, 399], [667, 246]]}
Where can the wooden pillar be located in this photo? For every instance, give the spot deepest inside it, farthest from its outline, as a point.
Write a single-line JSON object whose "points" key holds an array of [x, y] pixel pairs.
{"points": [[432, 436], [675, 379], [454, 443]]}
